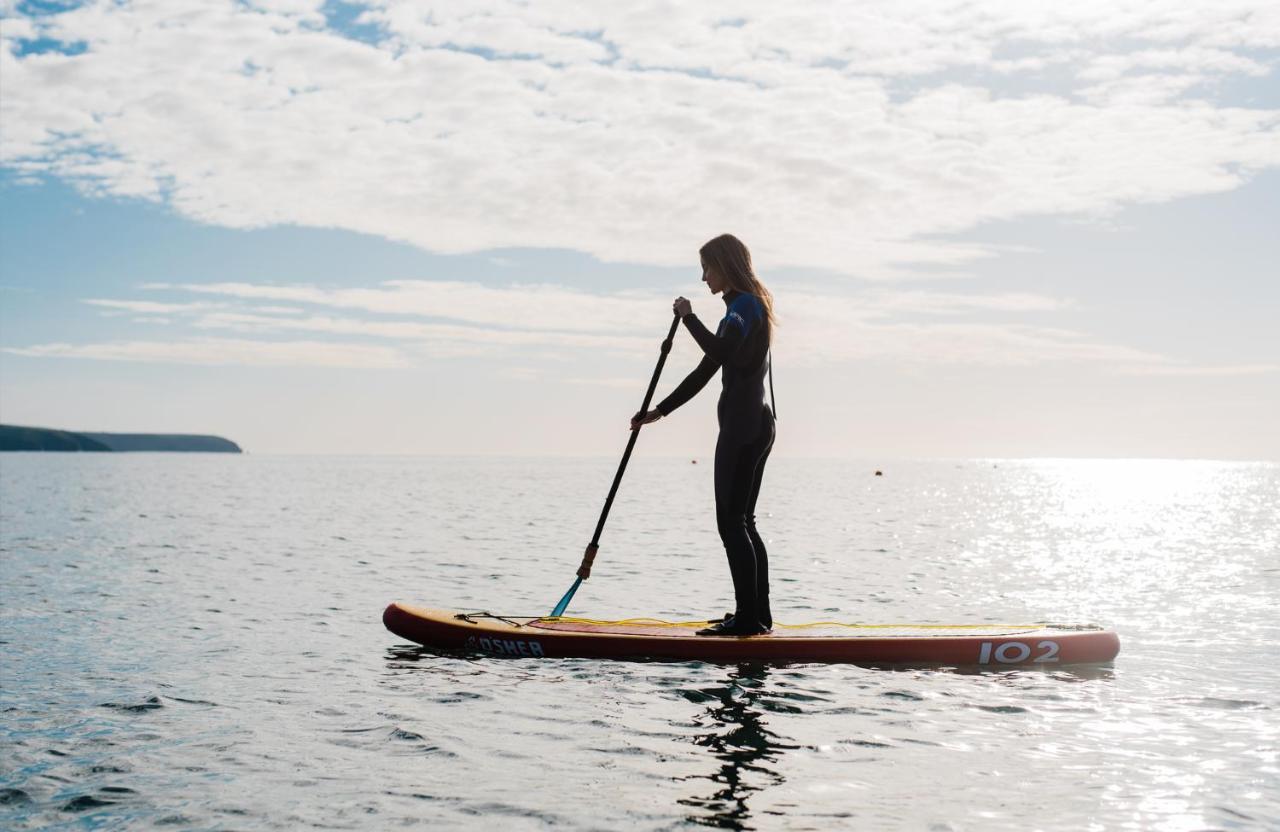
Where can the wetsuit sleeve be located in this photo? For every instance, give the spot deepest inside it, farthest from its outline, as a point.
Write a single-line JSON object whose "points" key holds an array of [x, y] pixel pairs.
{"points": [[717, 349], [723, 344], [692, 384]]}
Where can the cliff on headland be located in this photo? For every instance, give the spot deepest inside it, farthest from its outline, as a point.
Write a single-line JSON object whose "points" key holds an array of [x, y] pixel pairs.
{"points": [[17, 438]]}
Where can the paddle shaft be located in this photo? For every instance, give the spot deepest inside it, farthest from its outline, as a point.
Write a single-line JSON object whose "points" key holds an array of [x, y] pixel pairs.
{"points": [[631, 442], [588, 557]]}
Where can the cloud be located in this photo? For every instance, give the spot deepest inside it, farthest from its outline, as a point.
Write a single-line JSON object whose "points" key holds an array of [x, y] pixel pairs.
{"points": [[618, 382], [833, 330], [446, 338], [147, 307], [852, 138], [1174, 369], [1200, 62], [225, 351], [951, 303], [431, 320], [467, 316], [519, 306]]}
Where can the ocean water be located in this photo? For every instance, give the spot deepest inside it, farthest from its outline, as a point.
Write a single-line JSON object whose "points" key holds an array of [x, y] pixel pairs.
{"points": [[194, 642]]}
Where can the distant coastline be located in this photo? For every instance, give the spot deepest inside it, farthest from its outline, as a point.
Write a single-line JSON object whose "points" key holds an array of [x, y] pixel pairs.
{"points": [[19, 438]]}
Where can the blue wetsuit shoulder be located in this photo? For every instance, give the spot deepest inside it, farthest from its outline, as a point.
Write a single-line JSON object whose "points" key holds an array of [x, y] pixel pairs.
{"points": [[738, 346], [746, 312]]}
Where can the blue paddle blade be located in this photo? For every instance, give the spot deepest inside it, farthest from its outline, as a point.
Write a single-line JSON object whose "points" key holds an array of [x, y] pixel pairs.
{"points": [[564, 602]]}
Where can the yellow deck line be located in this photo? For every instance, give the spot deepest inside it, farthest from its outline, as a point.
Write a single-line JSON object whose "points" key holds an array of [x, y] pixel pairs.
{"points": [[661, 623]]}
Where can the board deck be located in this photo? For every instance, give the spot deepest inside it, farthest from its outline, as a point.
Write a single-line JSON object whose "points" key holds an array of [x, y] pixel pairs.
{"points": [[1043, 645]]}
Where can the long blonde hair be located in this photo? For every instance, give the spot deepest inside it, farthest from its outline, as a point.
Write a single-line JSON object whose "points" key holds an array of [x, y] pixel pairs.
{"points": [[730, 258]]}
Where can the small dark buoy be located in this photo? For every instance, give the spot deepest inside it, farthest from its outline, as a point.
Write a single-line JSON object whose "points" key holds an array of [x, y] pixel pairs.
{"points": [[693, 462], [879, 473]]}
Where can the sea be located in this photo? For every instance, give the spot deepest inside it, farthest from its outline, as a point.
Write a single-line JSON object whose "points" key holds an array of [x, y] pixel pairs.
{"points": [[195, 642]]}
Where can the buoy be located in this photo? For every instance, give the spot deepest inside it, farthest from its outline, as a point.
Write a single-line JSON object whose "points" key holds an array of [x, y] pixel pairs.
{"points": [[879, 473]]}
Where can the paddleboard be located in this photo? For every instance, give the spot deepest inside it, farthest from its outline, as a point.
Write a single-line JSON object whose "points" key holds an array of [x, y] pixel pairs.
{"points": [[998, 645]]}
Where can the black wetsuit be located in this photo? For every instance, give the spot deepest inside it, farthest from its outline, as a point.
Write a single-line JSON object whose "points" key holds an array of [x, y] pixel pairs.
{"points": [[740, 350]]}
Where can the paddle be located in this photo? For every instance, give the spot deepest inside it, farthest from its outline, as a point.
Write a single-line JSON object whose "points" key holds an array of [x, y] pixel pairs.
{"points": [[588, 557]]}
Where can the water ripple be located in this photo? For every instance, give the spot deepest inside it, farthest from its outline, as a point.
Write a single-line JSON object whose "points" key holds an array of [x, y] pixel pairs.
{"points": [[194, 642]]}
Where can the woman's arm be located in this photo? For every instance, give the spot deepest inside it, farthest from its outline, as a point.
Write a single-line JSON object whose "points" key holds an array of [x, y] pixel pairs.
{"points": [[692, 384], [718, 347], [739, 320]]}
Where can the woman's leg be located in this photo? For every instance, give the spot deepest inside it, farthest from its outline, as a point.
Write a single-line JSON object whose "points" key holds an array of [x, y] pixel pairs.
{"points": [[739, 468], [757, 543]]}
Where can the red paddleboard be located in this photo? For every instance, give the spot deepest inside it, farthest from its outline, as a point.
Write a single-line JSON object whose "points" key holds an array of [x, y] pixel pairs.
{"points": [[995, 645]]}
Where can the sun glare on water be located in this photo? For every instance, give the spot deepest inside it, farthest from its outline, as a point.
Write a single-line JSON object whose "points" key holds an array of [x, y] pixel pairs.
{"points": [[1105, 534]]}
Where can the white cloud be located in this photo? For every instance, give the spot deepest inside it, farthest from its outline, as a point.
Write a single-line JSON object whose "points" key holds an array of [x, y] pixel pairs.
{"points": [[147, 307], [1200, 61], [620, 383], [843, 330], [521, 373], [429, 320], [826, 327], [951, 303], [278, 310], [446, 338], [821, 134], [1174, 369], [225, 351], [524, 307]]}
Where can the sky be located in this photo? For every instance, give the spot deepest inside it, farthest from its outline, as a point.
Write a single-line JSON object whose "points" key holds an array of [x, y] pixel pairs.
{"points": [[992, 229]]}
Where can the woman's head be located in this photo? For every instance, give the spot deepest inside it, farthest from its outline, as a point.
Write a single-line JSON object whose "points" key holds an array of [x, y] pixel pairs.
{"points": [[726, 264]]}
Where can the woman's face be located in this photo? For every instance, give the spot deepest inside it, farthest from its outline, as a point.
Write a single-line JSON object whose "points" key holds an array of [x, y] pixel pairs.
{"points": [[712, 278]]}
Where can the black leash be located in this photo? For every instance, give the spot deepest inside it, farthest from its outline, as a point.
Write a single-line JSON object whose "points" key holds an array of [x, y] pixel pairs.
{"points": [[772, 401]]}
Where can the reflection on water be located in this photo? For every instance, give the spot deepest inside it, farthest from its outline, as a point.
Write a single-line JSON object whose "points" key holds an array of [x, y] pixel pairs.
{"points": [[742, 745], [1066, 673]]}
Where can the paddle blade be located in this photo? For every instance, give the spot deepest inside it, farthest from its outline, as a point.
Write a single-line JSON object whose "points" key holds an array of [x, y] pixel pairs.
{"points": [[564, 602]]}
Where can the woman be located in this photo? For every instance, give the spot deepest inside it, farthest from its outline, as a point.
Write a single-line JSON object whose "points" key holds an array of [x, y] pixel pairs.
{"points": [[739, 348]]}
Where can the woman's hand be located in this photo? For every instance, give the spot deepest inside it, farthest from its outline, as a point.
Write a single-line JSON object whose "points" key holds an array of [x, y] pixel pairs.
{"points": [[645, 418], [682, 307]]}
